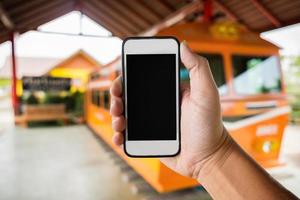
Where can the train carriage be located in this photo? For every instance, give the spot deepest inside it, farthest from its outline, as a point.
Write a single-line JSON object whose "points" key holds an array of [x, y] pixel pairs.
{"points": [[247, 72]]}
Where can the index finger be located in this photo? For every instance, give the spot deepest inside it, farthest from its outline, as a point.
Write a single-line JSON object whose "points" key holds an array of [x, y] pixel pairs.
{"points": [[116, 87]]}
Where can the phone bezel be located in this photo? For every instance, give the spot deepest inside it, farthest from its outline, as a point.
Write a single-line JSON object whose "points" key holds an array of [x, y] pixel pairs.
{"points": [[155, 45]]}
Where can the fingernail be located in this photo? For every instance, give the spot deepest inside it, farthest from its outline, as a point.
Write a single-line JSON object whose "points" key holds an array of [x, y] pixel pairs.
{"points": [[185, 44]]}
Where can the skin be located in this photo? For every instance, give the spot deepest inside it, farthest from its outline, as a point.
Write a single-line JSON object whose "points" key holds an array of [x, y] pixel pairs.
{"points": [[208, 153]]}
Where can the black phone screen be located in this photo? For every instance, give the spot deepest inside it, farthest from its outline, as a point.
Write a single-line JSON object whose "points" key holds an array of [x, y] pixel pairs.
{"points": [[151, 96]]}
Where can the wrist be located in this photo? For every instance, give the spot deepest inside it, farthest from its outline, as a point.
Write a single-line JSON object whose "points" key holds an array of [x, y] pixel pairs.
{"points": [[217, 159]]}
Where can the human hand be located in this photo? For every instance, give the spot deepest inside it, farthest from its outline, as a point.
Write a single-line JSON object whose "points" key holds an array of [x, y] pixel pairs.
{"points": [[203, 137]]}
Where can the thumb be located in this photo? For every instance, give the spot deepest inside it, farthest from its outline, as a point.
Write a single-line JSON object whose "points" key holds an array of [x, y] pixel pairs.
{"points": [[201, 80]]}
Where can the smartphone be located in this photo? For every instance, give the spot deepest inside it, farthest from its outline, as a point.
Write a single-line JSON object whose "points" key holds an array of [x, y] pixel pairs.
{"points": [[151, 96]]}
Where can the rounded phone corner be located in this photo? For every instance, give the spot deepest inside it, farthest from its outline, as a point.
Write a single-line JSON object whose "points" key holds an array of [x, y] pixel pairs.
{"points": [[126, 152], [173, 155], [176, 40], [178, 152], [126, 40]]}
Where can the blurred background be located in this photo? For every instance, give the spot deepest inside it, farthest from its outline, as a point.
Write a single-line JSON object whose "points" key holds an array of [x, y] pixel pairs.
{"points": [[58, 59]]}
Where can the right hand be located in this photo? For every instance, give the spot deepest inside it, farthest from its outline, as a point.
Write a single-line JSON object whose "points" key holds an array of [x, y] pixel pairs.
{"points": [[203, 137]]}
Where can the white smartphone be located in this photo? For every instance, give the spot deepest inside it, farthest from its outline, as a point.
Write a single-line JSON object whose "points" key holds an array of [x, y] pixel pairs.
{"points": [[151, 96]]}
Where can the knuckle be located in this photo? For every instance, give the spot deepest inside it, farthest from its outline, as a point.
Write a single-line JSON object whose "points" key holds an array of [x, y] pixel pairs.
{"points": [[199, 62], [202, 61]]}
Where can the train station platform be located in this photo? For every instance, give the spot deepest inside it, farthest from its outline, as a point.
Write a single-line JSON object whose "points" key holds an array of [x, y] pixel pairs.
{"points": [[55, 163], [69, 163]]}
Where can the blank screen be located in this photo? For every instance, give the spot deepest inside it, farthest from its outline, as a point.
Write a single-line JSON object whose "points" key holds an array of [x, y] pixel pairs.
{"points": [[151, 96]]}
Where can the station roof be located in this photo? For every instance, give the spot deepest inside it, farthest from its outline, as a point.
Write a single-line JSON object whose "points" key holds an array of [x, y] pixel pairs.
{"points": [[144, 17]]}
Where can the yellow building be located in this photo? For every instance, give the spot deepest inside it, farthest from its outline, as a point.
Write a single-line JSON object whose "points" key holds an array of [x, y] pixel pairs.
{"points": [[77, 67]]}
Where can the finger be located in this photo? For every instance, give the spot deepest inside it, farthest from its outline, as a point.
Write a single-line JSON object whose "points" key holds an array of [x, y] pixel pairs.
{"points": [[118, 138], [118, 123], [116, 106], [116, 87], [201, 79], [184, 88]]}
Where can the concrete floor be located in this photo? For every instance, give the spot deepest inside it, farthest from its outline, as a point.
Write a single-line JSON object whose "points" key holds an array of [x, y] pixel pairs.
{"points": [[68, 163], [55, 163], [289, 173]]}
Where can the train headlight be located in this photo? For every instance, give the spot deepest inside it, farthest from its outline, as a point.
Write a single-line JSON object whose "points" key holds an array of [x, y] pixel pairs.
{"points": [[266, 147], [269, 146]]}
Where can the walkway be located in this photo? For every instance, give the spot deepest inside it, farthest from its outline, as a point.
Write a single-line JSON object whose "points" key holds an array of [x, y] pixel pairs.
{"points": [[68, 163], [55, 163]]}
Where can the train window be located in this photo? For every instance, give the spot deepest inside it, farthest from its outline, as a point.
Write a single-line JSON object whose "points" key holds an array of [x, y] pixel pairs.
{"points": [[96, 97], [106, 99], [95, 76], [93, 96], [98, 102], [216, 64], [256, 74]]}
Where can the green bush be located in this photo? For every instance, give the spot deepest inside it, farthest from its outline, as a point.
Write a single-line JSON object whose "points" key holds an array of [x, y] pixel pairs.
{"points": [[31, 100], [69, 101], [79, 101], [53, 99]]}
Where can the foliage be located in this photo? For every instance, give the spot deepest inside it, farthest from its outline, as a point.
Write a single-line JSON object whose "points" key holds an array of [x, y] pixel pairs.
{"points": [[53, 99], [31, 99], [296, 61], [69, 102], [292, 80], [72, 101], [292, 75], [79, 102]]}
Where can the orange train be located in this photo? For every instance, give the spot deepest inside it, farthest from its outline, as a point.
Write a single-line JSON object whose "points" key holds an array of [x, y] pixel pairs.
{"points": [[247, 72]]}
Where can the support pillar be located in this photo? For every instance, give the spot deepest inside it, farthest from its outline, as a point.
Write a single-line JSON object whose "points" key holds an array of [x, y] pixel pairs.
{"points": [[14, 97], [208, 8]]}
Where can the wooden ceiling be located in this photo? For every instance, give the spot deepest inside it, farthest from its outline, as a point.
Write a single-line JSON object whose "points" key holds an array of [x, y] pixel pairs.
{"points": [[145, 17]]}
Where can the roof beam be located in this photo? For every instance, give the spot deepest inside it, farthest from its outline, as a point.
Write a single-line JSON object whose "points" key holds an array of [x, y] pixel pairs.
{"points": [[99, 17], [103, 22], [165, 5], [115, 16], [74, 34], [265, 12], [148, 8], [5, 19], [133, 11], [144, 10], [113, 12], [173, 18], [129, 12], [226, 10], [41, 10], [34, 22], [25, 5], [285, 23]]}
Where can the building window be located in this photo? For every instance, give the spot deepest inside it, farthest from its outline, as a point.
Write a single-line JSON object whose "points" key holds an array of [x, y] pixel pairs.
{"points": [[95, 76]]}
